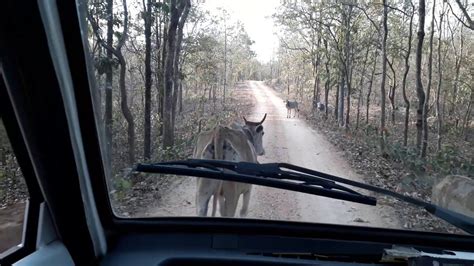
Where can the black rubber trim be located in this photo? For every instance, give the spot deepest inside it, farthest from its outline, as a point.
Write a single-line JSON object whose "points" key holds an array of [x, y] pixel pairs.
{"points": [[30, 232], [78, 57], [37, 102], [295, 229]]}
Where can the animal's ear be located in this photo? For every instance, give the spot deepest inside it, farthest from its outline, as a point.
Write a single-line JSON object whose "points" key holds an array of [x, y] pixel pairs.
{"points": [[259, 129]]}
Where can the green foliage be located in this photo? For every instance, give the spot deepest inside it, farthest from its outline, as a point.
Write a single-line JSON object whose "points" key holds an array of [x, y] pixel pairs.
{"points": [[123, 184], [451, 161], [122, 187], [409, 157], [448, 161]]}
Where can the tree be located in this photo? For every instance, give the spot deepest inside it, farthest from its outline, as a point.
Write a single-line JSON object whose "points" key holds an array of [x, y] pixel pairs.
{"points": [[176, 10], [440, 81], [470, 22], [405, 75], [361, 85], [369, 89], [117, 52], [327, 84], [384, 73], [147, 18], [424, 146], [419, 85]]}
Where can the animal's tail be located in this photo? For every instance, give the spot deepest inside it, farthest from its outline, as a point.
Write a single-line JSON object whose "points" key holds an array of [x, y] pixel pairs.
{"points": [[218, 144], [218, 155]]}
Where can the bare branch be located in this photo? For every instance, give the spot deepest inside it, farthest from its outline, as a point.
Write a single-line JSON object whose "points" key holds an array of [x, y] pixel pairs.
{"points": [[471, 23], [464, 11], [287, 46]]}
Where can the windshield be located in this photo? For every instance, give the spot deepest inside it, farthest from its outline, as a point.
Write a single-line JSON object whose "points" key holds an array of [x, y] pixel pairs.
{"points": [[378, 92]]}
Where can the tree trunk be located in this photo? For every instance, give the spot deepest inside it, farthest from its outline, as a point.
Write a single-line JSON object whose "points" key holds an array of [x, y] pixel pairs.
{"points": [[424, 146], [117, 52], [340, 116], [169, 96], [440, 80], [467, 117], [419, 85], [210, 93], [382, 82], [336, 104], [158, 69], [126, 110], [315, 93], [328, 80], [180, 97], [184, 10], [225, 57], [369, 88], [147, 112], [458, 62], [317, 79], [288, 84], [361, 84], [123, 91], [161, 72], [405, 75], [109, 77], [348, 65], [168, 130], [393, 87]]}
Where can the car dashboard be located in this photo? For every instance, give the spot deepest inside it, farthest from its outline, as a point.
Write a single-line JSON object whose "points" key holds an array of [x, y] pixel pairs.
{"points": [[232, 249]]}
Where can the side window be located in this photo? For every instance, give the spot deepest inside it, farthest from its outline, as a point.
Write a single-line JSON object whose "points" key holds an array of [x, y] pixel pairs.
{"points": [[13, 196]]}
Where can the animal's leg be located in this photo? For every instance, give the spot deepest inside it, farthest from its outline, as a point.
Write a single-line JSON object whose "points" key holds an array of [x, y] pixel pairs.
{"points": [[217, 196], [206, 188], [245, 204], [231, 198], [222, 205], [202, 201], [214, 204], [231, 205]]}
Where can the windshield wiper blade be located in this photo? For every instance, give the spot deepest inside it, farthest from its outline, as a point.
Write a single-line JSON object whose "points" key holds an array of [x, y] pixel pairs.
{"points": [[258, 174], [312, 182]]}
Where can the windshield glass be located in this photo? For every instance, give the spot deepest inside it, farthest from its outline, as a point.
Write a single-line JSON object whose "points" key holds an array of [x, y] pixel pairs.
{"points": [[379, 92]]}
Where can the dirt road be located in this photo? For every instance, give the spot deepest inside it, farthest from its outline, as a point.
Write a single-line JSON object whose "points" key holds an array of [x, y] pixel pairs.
{"points": [[289, 140]]}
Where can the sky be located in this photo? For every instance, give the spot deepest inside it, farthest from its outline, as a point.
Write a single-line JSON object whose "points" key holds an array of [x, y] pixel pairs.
{"points": [[256, 17]]}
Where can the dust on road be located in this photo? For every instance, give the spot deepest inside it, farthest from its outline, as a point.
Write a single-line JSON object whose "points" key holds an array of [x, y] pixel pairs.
{"points": [[289, 140]]}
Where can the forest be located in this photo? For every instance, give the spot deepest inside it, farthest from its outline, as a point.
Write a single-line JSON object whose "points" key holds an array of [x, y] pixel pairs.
{"points": [[397, 76], [399, 71]]}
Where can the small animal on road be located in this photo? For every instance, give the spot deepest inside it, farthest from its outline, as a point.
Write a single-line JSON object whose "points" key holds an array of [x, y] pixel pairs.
{"points": [[292, 105]]}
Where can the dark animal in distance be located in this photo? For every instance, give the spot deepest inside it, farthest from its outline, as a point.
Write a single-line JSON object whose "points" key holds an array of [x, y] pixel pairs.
{"points": [[292, 105]]}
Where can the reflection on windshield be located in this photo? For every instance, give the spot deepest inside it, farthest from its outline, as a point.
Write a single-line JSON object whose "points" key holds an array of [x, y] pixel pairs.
{"points": [[375, 92]]}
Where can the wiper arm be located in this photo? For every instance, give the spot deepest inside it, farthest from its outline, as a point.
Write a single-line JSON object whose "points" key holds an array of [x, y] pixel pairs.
{"points": [[269, 175], [311, 182]]}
